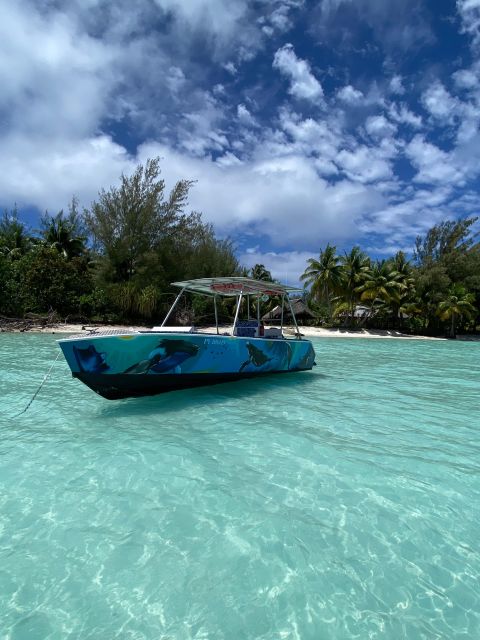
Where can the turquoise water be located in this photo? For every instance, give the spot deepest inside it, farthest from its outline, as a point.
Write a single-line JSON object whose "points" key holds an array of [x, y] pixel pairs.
{"points": [[341, 503]]}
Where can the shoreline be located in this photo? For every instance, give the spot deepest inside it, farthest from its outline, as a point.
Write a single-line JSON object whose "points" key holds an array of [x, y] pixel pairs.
{"points": [[308, 332]]}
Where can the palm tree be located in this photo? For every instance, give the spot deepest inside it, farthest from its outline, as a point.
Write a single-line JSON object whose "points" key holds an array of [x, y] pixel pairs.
{"points": [[459, 303], [14, 241], [355, 268], [324, 275], [382, 286], [406, 292], [259, 272], [60, 233]]}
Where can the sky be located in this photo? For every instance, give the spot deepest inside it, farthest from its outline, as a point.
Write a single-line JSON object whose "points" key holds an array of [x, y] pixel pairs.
{"points": [[302, 122]]}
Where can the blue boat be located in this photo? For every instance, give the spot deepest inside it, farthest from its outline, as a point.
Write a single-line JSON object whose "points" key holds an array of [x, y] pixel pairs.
{"points": [[121, 364]]}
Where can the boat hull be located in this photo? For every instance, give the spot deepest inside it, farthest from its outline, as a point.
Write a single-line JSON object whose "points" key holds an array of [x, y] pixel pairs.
{"points": [[117, 386], [140, 364]]}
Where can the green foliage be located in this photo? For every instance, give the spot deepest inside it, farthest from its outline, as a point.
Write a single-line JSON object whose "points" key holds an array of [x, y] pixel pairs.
{"points": [[142, 239], [443, 240], [355, 269], [42, 280], [95, 304], [130, 222], [457, 304], [259, 272], [65, 233], [325, 277], [443, 286], [145, 240], [14, 240]]}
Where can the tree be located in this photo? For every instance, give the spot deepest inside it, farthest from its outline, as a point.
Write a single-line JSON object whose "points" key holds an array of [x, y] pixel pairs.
{"points": [[144, 241], [64, 233], [381, 286], [458, 304], [406, 291], [259, 272], [324, 276], [130, 221], [355, 268], [448, 255], [14, 240], [445, 238]]}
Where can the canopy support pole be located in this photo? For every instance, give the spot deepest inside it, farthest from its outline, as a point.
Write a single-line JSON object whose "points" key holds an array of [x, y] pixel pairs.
{"points": [[281, 322], [297, 334], [216, 312], [173, 307], [237, 312]]}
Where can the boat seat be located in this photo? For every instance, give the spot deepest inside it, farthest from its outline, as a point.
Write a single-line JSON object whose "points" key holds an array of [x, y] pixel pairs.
{"points": [[273, 332], [246, 329]]}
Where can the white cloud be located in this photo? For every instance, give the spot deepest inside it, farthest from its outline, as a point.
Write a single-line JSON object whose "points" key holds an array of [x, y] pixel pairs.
{"points": [[303, 83], [364, 164], [200, 130], [466, 78], [245, 117], [440, 103], [53, 79], [281, 198], [396, 85], [46, 173], [285, 266], [350, 95], [410, 215], [379, 127], [310, 136], [403, 115], [325, 167], [228, 159], [227, 22], [469, 11], [231, 68], [433, 164], [175, 79], [469, 124], [70, 71], [280, 17]]}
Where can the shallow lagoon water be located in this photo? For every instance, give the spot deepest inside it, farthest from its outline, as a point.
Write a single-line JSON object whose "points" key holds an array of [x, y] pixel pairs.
{"points": [[341, 503]]}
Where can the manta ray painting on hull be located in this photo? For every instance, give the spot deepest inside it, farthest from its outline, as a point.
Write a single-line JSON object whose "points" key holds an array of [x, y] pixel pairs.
{"points": [[90, 360], [168, 356]]}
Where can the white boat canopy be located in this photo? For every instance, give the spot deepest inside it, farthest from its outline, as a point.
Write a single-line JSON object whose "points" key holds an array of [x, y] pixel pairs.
{"points": [[234, 286]]}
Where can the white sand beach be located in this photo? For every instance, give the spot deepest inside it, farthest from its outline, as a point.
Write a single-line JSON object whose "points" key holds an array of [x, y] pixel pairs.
{"points": [[319, 332], [310, 332]]}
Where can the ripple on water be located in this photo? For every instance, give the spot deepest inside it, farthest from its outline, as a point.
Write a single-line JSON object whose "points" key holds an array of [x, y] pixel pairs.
{"points": [[341, 503]]}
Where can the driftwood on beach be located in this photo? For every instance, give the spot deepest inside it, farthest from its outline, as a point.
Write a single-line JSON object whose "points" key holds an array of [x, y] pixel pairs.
{"points": [[30, 322]]}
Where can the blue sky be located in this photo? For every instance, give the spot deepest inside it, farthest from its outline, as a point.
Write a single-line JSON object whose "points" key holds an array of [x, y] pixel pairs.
{"points": [[341, 121]]}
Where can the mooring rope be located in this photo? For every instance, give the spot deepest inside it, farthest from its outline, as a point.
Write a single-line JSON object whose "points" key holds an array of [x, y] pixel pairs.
{"points": [[45, 378]]}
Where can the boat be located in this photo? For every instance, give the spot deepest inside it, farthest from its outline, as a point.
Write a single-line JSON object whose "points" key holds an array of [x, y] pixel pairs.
{"points": [[120, 364]]}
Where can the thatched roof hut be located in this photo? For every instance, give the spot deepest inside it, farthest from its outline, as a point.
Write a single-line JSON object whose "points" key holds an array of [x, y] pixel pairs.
{"points": [[302, 312]]}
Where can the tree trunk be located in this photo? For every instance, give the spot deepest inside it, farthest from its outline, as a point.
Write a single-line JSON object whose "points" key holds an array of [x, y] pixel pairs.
{"points": [[452, 327], [326, 295]]}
